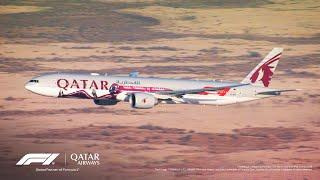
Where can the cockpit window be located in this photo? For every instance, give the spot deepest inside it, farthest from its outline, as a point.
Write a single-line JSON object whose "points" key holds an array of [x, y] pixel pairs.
{"points": [[35, 81]]}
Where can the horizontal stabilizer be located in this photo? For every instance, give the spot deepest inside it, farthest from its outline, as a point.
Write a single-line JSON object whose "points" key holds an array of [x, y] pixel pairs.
{"points": [[277, 92]]}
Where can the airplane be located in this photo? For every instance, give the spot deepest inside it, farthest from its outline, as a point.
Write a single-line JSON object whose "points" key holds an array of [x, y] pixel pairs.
{"points": [[147, 92]]}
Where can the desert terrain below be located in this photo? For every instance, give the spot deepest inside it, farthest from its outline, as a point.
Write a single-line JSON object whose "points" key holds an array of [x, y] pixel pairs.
{"points": [[176, 39]]}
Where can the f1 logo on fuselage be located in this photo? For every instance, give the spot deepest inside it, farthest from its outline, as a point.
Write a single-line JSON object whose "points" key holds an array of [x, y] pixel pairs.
{"points": [[44, 158]]}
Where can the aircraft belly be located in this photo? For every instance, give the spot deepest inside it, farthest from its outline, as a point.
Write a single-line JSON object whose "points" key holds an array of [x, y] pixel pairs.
{"points": [[216, 100], [46, 91]]}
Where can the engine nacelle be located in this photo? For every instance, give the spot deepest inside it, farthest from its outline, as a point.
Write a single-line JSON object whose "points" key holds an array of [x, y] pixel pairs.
{"points": [[142, 100]]}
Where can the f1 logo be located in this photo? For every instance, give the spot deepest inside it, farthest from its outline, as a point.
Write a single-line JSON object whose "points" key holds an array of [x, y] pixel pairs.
{"points": [[44, 158]]}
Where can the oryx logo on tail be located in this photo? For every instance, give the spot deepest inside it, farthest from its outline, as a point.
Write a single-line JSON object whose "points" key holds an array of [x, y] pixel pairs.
{"points": [[44, 158], [261, 75], [267, 70]]}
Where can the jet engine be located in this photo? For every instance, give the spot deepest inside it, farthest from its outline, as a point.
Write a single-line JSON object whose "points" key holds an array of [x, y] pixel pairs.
{"points": [[142, 100]]}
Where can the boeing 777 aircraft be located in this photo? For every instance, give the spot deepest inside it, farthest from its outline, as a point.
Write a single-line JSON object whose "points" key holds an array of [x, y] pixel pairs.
{"points": [[146, 92]]}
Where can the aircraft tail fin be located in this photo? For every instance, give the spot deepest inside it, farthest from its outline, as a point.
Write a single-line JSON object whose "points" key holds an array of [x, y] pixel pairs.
{"points": [[261, 75]]}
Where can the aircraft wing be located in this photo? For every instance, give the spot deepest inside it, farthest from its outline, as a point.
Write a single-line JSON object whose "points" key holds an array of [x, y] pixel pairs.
{"points": [[195, 91]]}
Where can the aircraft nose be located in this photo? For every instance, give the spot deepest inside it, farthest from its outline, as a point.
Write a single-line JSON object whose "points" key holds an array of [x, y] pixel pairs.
{"points": [[28, 86]]}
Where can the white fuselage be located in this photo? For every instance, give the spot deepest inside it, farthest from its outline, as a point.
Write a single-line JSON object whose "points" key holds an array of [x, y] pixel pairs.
{"points": [[96, 86]]}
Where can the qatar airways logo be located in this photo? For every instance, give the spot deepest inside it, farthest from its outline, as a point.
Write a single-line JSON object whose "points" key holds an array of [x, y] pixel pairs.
{"points": [[83, 84], [85, 159]]}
